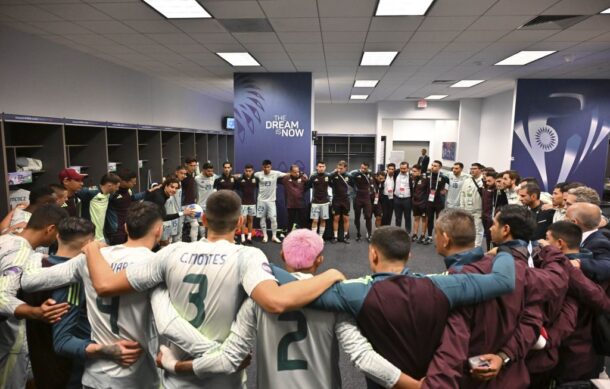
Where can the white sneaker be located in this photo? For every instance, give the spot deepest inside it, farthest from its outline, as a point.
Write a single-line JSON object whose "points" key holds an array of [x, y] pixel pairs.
{"points": [[276, 240], [243, 238], [265, 238]]}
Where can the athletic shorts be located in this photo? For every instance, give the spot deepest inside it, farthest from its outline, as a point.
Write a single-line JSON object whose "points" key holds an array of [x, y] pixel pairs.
{"points": [[266, 209], [341, 207], [377, 210], [248, 210], [319, 211], [419, 210]]}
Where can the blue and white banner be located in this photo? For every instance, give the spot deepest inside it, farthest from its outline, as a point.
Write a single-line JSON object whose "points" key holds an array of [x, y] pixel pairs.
{"points": [[273, 114], [561, 131]]}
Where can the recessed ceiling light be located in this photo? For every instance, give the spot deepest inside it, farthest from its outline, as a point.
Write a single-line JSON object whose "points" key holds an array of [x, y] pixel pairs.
{"points": [[359, 97], [606, 11], [435, 97], [365, 83], [466, 83], [524, 57], [239, 59], [378, 58], [402, 7], [179, 9]]}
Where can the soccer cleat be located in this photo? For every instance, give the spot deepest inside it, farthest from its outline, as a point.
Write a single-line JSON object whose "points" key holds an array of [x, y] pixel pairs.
{"points": [[249, 242], [276, 239], [421, 239], [265, 238], [333, 240], [346, 239], [428, 240], [414, 238]]}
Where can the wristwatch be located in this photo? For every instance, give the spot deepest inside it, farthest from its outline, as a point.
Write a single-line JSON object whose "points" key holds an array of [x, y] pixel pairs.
{"points": [[505, 358]]}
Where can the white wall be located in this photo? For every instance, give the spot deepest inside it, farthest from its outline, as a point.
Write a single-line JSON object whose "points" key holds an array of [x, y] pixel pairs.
{"points": [[496, 136], [469, 131], [345, 119], [38, 77], [434, 131]]}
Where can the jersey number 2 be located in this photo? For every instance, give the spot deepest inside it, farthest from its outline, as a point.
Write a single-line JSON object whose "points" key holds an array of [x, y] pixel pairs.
{"points": [[111, 309], [283, 363], [196, 298]]}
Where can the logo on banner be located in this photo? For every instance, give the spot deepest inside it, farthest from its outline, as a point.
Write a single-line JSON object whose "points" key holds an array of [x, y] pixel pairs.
{"points": [[284, 127], [540, 136]]}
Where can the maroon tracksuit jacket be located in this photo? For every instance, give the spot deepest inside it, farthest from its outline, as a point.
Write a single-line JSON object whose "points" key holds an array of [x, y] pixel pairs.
{"points": [[410, 346], [510, 323]]}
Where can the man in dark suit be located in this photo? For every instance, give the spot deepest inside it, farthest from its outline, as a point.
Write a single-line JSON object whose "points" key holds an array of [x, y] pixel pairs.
{"points": [[588, 216], [424, 161]]}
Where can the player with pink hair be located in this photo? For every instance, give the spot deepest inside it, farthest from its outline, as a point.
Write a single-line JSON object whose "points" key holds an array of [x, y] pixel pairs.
{"points": [[302, 250]]}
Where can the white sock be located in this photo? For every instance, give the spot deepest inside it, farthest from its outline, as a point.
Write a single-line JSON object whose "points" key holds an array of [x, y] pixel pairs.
{"points": [[249, 236], [243, 237], [336, 234], [322, 229]]}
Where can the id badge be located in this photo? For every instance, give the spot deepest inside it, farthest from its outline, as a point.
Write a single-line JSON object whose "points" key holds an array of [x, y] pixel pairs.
{"points": [[376, 200], [431, 195]]}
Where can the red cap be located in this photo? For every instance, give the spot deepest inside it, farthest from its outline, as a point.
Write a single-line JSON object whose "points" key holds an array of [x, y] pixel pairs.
{"points": [[70, 174]]}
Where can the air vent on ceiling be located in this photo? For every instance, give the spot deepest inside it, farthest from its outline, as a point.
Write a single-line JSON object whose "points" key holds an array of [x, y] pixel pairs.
{"points": [[443, 82], [552, 22], [246, 25]]}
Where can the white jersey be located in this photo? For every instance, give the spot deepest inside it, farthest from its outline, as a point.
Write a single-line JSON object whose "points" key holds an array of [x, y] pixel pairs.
{"points": [[512, 195], [267, 184], [297, 349], [16, 254], [205, 187], [455, 187], [20, 216], [470, 198], [116, 318], [207, 283]]}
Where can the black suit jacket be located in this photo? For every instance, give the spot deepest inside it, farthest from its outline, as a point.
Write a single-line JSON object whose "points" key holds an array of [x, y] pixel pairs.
{"points": [[598, 267], [423, 161]]}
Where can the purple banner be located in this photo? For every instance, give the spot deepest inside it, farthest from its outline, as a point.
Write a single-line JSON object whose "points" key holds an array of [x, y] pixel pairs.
{"points": [[273, 119], [561, 131]]}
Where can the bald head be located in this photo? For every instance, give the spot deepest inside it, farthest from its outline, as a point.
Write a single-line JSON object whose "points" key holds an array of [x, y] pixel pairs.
{"points": [[587, 216]]}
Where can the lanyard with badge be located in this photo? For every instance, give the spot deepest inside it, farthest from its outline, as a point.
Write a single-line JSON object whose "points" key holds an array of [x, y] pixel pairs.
{"points": [[402, 185], [433, 191], [388, 184]]}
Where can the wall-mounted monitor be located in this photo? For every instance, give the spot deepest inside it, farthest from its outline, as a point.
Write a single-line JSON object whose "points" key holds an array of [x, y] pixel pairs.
{"points": [[228, 123]]}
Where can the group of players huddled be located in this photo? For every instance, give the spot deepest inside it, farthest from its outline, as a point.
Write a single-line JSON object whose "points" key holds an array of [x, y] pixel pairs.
{"points": [[106, 288]]}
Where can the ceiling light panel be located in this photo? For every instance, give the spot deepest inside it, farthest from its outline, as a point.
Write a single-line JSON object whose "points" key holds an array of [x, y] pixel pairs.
{"points": [[378, 58], [179, 9], [524, 57], [402, 7], [239, 59], [365, 83], [436, 97], [466, 83]]}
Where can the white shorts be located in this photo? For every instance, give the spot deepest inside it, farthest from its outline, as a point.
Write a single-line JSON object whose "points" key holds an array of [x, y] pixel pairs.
{"points": [[248, 210], [319, 211], [266, 209]]}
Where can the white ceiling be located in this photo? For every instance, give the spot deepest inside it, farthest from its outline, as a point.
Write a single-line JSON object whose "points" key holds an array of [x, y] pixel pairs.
{"points": [[458, 39]]}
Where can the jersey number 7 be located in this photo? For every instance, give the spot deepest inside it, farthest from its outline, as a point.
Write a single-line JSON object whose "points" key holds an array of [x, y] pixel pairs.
{"points": [[283, 363], [111, 309]]}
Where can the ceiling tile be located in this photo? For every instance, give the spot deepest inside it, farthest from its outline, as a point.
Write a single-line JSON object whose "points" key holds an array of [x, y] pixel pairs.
{"points": [[518, 7], [77, 12], [480, 36], [27, 13], [256, 37], [264, 47], [300, 37], [577, 7], [62, 28], [171, 39], [234, 9], [216, 37], [396, 23], [503, 23], [347, 8], [388, 36], [573, 35], [383, 46], [596, 22], [152, 26], [345, 24], [198, 25], [344, 37], [107, 27], [446, 23], [128, 10], [527, 36], [130, 39], [459, 7], [295, 24], [224, 47], [434, 36], [289, 8]]}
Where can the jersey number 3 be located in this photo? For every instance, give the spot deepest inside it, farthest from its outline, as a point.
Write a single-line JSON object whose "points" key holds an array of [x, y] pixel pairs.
{"points": [[283, 363], [196, 298]]}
